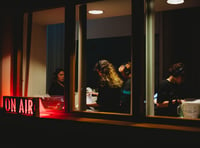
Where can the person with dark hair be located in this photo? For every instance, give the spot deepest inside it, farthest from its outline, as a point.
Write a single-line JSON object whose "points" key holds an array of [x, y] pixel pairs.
{"points": [[169, 94], [125, 71], [57, 86], [109, 87]]}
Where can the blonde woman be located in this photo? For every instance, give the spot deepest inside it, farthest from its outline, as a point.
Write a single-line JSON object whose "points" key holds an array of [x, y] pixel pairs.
{"points": [[109, 87]]}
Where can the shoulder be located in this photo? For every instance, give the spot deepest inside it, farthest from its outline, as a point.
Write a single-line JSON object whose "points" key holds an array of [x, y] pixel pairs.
{"points": [[109, 89], [164, 82], [53, 85]]}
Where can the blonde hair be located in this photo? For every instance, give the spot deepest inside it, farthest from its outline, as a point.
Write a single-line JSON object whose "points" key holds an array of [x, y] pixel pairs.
{"points": [[108, 74]]}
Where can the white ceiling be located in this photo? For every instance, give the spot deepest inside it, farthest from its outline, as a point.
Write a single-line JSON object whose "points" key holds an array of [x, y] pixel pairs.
{"points": [[111, 8]]}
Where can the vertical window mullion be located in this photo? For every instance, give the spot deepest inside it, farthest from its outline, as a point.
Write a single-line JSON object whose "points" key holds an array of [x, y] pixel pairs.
{"points": [[82, 56], [150, 64], [69, 55], [138, 59]]}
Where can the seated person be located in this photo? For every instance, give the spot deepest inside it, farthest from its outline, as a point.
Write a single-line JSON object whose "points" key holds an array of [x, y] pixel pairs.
{"points": [[169, 93], [108, 99], [57, 85]]}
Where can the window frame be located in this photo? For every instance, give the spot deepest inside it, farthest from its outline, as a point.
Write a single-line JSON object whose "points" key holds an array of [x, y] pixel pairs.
{"points": [[138, 83], [138, 69]]}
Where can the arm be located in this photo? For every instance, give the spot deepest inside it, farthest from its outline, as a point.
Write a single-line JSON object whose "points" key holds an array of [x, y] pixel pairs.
{"points": [[166, 103], [164, 95], [95, 93], [163, 104], [93, 105]]}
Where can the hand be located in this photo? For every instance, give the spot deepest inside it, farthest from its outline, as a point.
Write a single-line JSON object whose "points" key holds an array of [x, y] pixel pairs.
{"points": [[121, 68], [95, 93], [180, 101]]}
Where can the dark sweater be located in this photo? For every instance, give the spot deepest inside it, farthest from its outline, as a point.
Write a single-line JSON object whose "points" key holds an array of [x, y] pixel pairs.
{"points": [[167, 92], [56, 89], [109, 99]]}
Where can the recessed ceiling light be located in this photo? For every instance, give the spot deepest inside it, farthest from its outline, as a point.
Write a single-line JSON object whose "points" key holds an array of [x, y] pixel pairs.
{"points": [[174, 2], [95, 11]]}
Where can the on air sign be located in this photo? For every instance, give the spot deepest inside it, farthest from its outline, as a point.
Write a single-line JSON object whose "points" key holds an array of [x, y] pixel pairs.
{"points": [[28, 106]]}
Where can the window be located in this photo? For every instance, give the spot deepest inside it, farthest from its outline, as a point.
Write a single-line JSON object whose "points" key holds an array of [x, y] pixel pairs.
{"points": [[103, 58], [43, 59], [172, 38]]}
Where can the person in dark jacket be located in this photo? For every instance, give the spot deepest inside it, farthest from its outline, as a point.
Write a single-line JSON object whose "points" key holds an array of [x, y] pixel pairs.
{"points": [[169, 93]]}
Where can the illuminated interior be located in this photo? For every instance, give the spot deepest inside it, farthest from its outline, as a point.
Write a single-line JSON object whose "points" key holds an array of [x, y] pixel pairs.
{"points": [[34, 86]]}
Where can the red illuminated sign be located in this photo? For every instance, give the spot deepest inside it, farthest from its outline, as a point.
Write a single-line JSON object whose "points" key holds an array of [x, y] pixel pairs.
{"points": [[27, 106]]}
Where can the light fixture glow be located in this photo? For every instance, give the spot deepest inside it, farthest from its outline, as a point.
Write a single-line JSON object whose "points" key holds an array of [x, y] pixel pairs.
{"points": [[175, 2], [95, 11]]}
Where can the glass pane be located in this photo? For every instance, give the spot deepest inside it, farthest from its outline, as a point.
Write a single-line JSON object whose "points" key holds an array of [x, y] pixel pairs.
{"points": [[176, 56], [43, 71], [104, 75]]}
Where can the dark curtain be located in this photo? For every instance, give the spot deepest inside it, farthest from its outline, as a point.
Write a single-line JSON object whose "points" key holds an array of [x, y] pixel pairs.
{"points": [[55, 49], [181, 44]]}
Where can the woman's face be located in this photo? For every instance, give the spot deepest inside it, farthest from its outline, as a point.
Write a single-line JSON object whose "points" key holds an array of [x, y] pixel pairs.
{"points": [[60, 76]]}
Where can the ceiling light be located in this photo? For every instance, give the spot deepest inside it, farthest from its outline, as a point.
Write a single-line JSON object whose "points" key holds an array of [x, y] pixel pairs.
{"points": [[174, 2], [95, 11]]}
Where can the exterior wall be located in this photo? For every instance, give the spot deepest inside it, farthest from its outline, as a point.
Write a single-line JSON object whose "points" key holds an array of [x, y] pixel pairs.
{"points": [[85, 131]]}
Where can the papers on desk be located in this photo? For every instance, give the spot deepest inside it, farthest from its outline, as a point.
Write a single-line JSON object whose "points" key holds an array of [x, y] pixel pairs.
{"points": [[190, 108]]}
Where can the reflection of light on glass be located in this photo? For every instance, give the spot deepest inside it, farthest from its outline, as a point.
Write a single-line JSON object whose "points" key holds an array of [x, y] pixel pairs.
{"points": [[6, 82], [95, 11], [175, 2], [49, 111]]}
